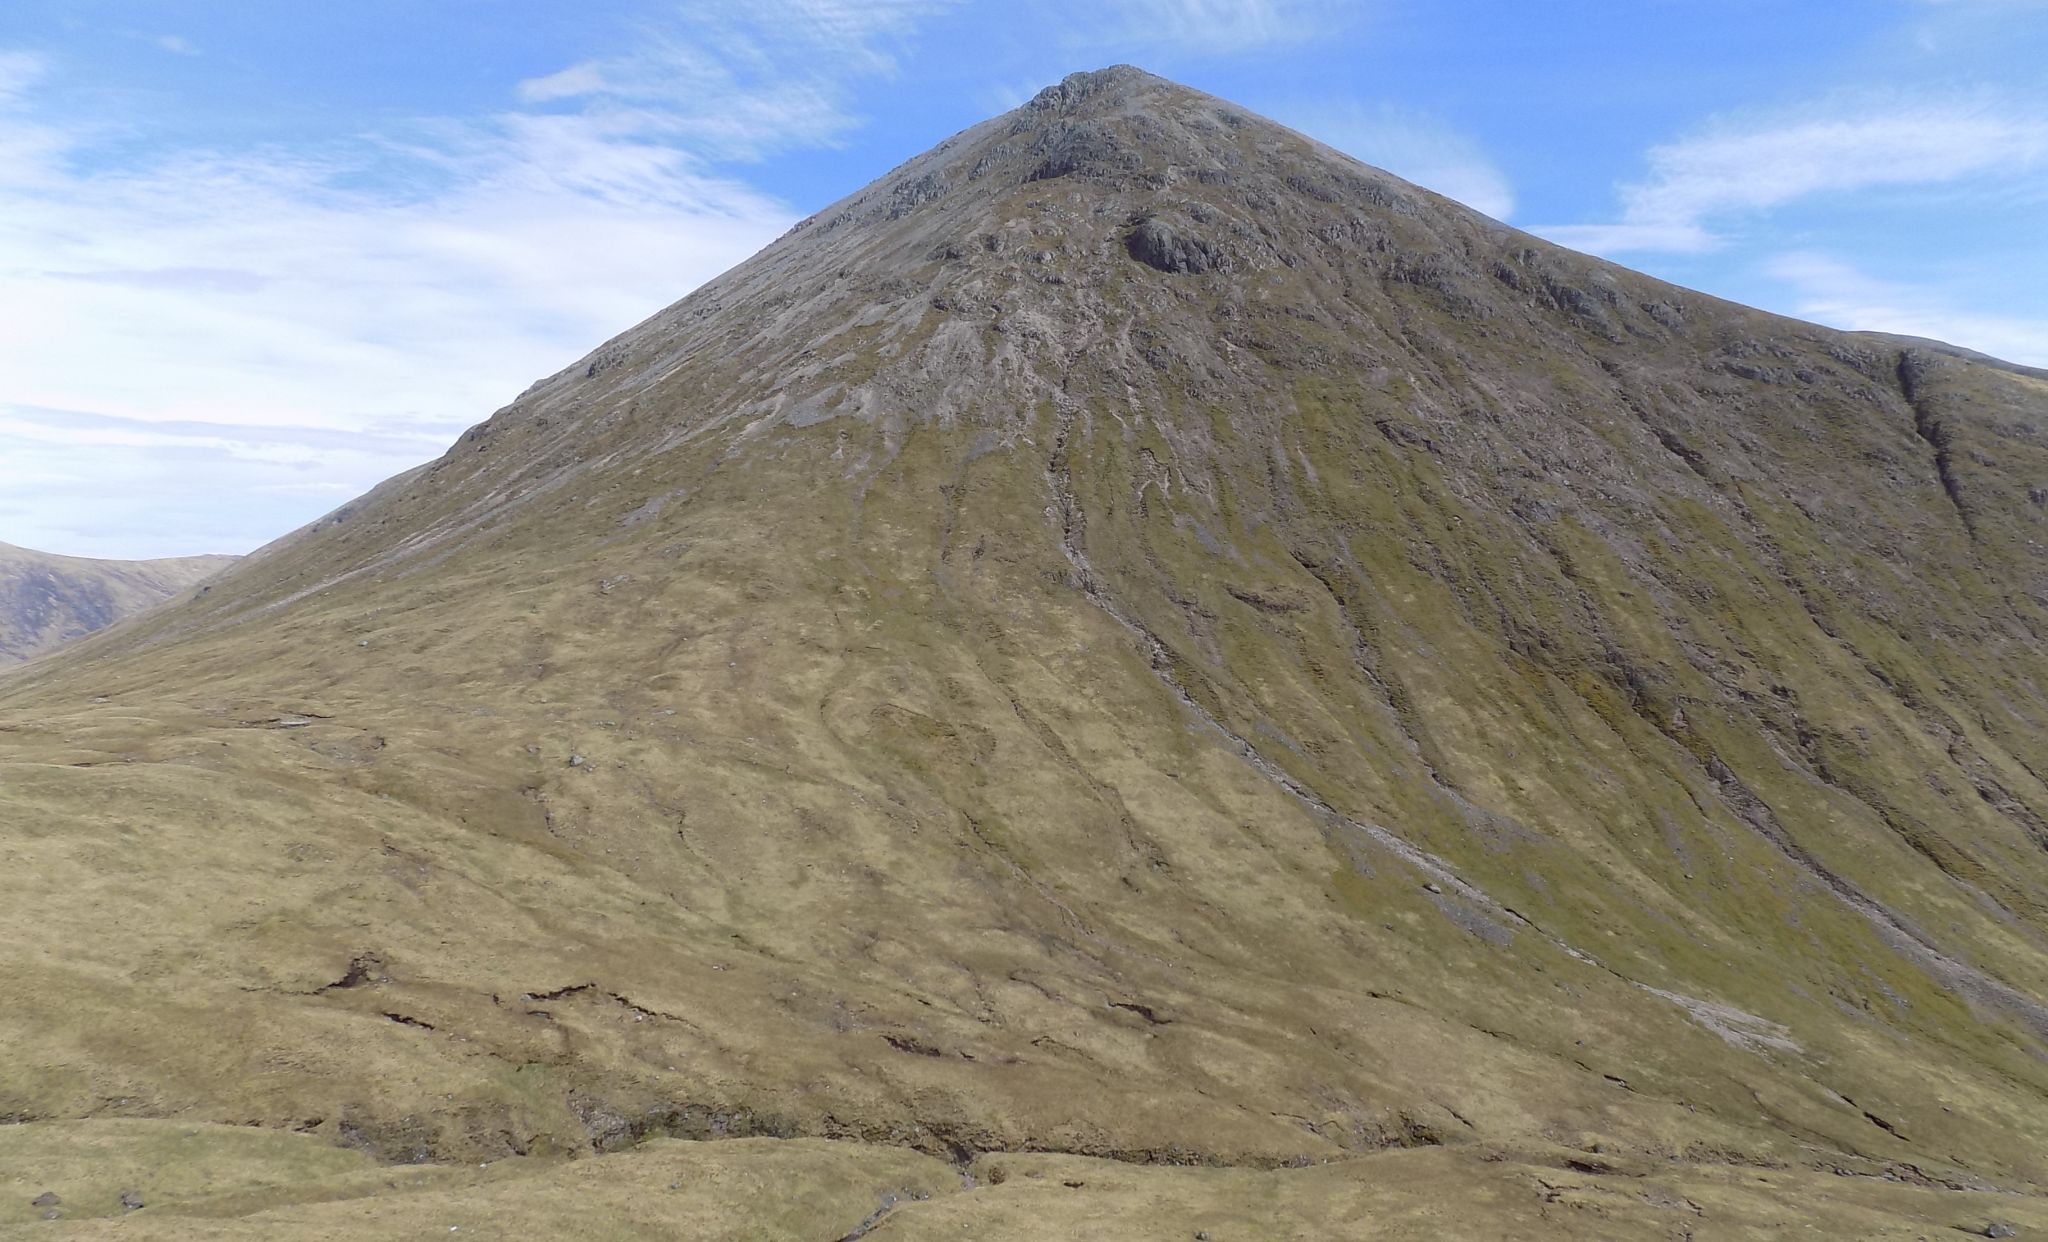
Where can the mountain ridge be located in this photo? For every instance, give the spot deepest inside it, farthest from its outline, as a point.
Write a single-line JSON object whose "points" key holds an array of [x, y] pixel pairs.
{"points": [[1133, 637], [47, 600]]}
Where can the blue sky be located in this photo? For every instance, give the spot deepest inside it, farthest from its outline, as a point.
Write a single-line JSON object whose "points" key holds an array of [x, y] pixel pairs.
{"points": [[255, 257]]}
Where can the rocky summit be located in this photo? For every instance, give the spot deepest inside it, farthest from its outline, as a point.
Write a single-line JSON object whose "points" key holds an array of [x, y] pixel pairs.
{"points": [[1137, 678], [47, 601]]}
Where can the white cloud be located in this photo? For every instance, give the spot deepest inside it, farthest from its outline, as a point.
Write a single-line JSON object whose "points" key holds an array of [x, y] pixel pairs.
{"points": [[850, 27], [1678, 237], [89, 485], [1218, 25], [586, 78], [219, 328], [1411, 145], [177, 45], [747, 81], [1829, 291], [243, 302], [1742, 168], [268, 290], [18, 72], [1751, 170]]}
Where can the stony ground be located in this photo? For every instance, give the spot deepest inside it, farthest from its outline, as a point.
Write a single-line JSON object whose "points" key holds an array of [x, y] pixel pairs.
{"points": [[1137, 678]]}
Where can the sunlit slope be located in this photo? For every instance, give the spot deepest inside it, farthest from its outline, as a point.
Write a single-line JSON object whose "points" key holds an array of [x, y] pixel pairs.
{"points": [[1135, 636]]}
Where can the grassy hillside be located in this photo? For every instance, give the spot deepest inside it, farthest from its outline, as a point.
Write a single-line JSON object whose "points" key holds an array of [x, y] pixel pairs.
{"points": [[1135, 640]]}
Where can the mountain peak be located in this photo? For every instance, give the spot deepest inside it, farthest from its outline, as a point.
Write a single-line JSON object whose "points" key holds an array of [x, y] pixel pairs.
{"points": [[1137, 636], [1100, 86], [1121, 129]]}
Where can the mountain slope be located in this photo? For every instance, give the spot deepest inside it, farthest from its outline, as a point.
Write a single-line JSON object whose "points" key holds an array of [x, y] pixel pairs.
{"points": [[47, 601], [1135, 636]]}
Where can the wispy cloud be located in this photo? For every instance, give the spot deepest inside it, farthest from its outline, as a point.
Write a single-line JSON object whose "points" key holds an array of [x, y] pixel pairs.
{"points": [[91, 485], [1409, 144], [1830, 291], [18, 71], [1675, 236], [205, 315], [276, 289], [1738, 168], [1229, 23], [744, 82], [1222, 25], [1162, 31], [420, 279]]}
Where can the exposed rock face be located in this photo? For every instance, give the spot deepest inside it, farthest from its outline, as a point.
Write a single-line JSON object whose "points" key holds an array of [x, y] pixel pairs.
{"points": [[1158, 243], [47, 601], [1137, 636]]}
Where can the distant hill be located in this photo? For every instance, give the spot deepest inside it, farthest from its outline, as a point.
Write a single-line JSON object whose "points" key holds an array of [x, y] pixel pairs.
{"points": [[47, 600]]}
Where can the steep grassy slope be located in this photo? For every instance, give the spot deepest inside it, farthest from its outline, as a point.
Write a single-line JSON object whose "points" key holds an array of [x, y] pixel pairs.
{"points": [[1134, 637], [47, 601]]}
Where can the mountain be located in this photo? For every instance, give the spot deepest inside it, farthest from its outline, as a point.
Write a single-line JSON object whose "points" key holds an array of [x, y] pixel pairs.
{"points": [[47, 601], [1138, 678]]}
